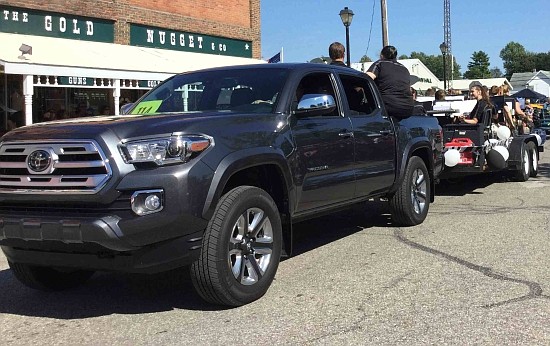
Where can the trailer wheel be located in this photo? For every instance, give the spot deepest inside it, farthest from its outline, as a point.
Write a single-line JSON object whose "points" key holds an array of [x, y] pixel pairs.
{"points": [[410, 203], [522, 174], [533, 159]]}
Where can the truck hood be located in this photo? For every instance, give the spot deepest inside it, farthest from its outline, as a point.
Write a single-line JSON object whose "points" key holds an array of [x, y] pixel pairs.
{"points": [[122, 126]]}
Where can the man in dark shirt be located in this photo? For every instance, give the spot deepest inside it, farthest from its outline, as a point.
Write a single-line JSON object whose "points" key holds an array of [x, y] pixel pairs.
{"points": [[394, 82], [336, 52]]}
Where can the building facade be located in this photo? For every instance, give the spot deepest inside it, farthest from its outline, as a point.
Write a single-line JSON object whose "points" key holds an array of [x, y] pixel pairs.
{"points": [[64, 58]]}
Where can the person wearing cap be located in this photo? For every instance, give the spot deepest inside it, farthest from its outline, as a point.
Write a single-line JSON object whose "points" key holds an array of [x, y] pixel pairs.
{"points": [[480, 94], [394, 82]]}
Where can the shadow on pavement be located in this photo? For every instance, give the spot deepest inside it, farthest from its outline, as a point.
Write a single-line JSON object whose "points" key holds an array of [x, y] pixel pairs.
{"points": [[469, 184], [314, 233], [104, 294]]}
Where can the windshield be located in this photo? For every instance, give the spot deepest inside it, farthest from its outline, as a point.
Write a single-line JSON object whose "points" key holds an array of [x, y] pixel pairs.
{"points": [[235, 90]]}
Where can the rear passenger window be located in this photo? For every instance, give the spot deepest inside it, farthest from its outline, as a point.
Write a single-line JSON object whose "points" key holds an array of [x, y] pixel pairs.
{"points": [[359, 95]]}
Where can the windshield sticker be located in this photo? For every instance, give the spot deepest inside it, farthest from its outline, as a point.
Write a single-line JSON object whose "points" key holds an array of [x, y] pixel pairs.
{"points": [[146, 107]]}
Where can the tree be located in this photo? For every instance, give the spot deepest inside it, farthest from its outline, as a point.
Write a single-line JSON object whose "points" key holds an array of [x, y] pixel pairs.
{"points": [[478, 68], [435, 64], [516, 59], [496, 72], [365, 58]]}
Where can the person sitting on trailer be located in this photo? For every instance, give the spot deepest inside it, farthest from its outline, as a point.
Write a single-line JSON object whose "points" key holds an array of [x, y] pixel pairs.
{"points": [[483, 103]]}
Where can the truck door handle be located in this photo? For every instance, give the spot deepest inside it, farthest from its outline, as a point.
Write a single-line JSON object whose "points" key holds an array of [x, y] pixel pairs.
{"points": [[386, 132], [346, 134]]}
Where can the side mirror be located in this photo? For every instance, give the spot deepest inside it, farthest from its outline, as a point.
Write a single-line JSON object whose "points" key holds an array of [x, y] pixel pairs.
{"points": [[315, 104], [126, 108]]}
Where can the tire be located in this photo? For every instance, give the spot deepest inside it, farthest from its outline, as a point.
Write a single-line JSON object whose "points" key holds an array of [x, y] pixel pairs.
{"points": [[238, 263], [410, 203], [522, 174], [533, 159], [49, 279]]}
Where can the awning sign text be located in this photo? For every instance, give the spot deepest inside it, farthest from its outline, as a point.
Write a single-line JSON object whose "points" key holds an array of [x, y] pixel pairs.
{"points": [[190, 42], [33, 22]]}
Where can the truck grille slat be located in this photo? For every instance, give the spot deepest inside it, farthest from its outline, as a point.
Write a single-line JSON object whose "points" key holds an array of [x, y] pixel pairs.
{"points": [[67, 166]]}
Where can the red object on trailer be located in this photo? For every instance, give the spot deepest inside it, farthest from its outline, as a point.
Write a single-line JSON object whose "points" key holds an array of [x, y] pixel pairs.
{"points": [[465, 147]]}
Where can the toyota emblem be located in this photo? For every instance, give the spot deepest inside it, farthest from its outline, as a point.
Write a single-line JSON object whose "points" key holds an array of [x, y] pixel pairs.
{"points": [[39, 160]]}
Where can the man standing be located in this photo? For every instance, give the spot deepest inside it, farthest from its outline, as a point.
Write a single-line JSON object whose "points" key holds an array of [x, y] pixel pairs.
{"points": [[336, 53], [394, 82]]}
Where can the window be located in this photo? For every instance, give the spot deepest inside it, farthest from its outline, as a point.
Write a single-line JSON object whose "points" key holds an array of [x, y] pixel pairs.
{"points": [[232, 90], [361, 100], [316, 84]]}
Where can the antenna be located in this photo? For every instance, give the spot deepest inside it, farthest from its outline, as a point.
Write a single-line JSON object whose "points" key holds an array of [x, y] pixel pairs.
{"points": [[447, 37]]}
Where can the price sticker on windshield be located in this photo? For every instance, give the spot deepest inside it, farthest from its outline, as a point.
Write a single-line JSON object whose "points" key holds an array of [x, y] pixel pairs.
{"points": [[147, 107]]}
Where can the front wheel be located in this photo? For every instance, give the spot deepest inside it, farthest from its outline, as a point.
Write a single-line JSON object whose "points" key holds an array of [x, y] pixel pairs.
{"points": [[410, 203], [49, 279], [241, 248]]}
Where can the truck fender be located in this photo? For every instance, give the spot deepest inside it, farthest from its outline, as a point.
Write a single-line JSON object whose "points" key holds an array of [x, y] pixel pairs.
{"points": [[415, 147], [237, 161], [514, 149]]}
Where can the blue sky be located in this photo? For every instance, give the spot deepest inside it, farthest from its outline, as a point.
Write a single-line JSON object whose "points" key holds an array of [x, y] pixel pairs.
{"points": [[305, 28]]}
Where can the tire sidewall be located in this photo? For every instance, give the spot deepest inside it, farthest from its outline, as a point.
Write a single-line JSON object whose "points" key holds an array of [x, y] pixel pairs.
{"points": [[520, 174], [417, 163], [249, 198], [533, 156]]}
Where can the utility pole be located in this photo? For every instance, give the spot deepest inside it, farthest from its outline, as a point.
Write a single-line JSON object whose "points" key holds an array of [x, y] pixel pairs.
{"points": [[385, 41]]}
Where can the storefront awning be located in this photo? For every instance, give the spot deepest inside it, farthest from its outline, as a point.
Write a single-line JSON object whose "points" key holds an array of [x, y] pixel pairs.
{"points": [[64, 57]]}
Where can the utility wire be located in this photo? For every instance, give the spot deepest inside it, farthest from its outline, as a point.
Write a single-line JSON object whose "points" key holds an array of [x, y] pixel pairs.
{"points": [[371, 23]]}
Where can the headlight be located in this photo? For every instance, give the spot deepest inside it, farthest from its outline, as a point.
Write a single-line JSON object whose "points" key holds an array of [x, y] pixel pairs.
{"points": [[164, 150]]}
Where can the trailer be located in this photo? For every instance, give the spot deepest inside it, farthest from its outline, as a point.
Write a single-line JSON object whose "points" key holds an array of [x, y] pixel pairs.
{"points": [[486, 146]]}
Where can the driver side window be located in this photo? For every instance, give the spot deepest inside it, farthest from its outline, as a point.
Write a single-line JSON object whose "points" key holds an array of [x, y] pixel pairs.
{"points": [[316, 84]]}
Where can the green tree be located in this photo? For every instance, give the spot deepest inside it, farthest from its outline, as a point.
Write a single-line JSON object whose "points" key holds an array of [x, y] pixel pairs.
{"points": [[435, 64], [496, 72], [365, 58], [516, 59], [478, 67]]}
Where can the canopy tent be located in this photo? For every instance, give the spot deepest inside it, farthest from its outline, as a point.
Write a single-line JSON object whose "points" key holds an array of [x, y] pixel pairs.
{"points": [[534, 96]]}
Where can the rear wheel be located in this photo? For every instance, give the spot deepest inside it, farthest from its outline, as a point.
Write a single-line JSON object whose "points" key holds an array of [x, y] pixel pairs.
{"points": [[410, 203], [241, 248], [533, 159], [49, 279], [522, 174]]}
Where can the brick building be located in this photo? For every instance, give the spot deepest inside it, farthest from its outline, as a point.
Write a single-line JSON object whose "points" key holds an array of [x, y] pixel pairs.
{"points": [[63, 58]]}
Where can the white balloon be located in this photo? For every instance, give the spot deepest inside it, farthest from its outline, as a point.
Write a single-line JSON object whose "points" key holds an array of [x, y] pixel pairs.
{"points": [[452, 157], [502, 151], [503, 132]]}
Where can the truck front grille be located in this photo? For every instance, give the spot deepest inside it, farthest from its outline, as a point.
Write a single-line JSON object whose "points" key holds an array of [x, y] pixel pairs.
{"points": [[53, 167]]}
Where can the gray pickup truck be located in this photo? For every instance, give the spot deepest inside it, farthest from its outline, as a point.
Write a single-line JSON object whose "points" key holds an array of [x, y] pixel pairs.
{"points": [[209, 170]]}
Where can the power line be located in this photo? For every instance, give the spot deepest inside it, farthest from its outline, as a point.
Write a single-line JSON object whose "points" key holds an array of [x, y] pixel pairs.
{"points": [[371, 22]]}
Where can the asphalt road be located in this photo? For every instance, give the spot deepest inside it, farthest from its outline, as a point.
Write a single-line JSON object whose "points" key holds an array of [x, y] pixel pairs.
{"points": [[474, 273]]}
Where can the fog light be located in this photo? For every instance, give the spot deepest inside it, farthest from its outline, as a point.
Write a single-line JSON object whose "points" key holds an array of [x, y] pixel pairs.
{"points": [[147, 201]]}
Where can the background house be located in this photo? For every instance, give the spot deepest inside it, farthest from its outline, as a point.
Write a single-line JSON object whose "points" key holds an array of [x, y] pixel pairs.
{"points": [[538, 81]]}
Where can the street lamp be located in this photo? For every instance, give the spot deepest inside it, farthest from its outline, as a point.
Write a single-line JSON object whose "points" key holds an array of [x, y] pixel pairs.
{"points": [[347, 15], [444, 49]]}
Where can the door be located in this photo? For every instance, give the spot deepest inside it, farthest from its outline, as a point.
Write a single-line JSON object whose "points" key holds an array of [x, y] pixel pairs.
{"points": [[375, 146], [323, 164]]}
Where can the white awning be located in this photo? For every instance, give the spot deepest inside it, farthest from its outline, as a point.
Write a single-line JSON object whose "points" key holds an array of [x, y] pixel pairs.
{"points": [[64, 57]]}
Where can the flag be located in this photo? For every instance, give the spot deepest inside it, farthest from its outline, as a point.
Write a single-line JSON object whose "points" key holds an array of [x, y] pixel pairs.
{"points": [[274, 59]]}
